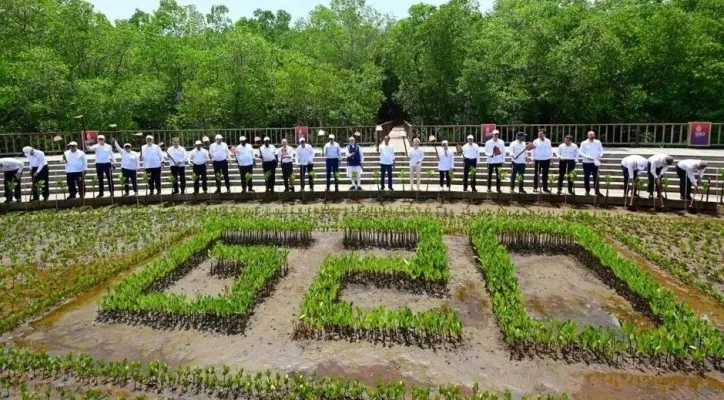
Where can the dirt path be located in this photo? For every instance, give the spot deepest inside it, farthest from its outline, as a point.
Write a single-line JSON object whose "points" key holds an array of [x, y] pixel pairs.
{"points": [[268, 342]]}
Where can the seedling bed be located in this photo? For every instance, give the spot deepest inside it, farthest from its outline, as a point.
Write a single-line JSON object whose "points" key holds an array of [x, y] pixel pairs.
{"points": [[396, 280], [369, 238], [281, 238]]}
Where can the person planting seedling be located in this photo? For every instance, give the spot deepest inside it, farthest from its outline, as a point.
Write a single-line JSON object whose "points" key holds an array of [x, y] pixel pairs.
{"points": [[12, 171], [656, 168], [687, 171]]}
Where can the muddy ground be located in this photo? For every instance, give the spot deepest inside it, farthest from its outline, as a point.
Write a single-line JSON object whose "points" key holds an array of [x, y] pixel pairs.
{"points": [[268, 343]]}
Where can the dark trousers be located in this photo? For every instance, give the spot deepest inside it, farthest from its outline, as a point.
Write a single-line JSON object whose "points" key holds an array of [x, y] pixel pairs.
{"points": [[469, 163], [386, 170], [200, 172], [75, 184], [444, 176], [101, 170], [11, 177], [155, 180], [541, 172], [626, 177], [130, 175], [42, 176], [590, 170], [179, 174], [517, 169], [494, 167], [287, 170], [332, 170], [271, 168], [684, 184], [245, 171], [652, 175], [221, 168], [564, 167], [304, 171]]}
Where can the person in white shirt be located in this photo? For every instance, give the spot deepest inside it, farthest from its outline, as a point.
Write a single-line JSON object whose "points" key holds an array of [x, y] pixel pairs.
{"points": [[518, 150], [471, 158], [177, 157], [199, 157], [567, 158], [305, 160], [687, 171], [445, 164], [286, 159], [495, 150], [657, 166], [105, 162], [387, 162], [219, 152], [39, 171], [130, 164], [269, 160], [355, 160], [416, 156], [332, 153], [76, 164], [246, 160], [632, 166], [152, 157], [12, 171], [591, 153], [542, 153]]}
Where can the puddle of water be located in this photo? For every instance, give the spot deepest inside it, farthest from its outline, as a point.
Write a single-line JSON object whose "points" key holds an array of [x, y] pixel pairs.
{"points": [[704, 305], [600, 385]]}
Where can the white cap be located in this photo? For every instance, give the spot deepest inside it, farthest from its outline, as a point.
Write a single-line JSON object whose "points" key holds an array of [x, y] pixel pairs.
{"points": [[378, 128], [27, 150], [217, 137], [470, 137], [320, 132], [331, 136], [242, 138], [198, 142], [74, 143], [205, 139], [496, 132], [302, 139], [266, 138], [149, 137], [101, 137], [127, 145], [444, 142], [431, 138]]}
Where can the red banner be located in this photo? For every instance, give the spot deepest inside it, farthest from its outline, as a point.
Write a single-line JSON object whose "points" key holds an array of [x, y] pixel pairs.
{"points": [[301, 132], [699, 134], [486, 132], [89, 138]]}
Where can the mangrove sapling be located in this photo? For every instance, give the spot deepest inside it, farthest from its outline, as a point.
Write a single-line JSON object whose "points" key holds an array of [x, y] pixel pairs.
{"points": [[267, 176], [502, 176], [430, 173], [38, 189], [195, 180], [519, 182], [403, 176], [375, 178], [572, 175], [172, 181], [147, 179], [217, 178], [551, 182], [94, 183], [607, 181], [472, 174]]}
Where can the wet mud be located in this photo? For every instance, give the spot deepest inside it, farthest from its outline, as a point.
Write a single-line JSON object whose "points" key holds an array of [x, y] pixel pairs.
{"points": [[559, 287], [200, 281], [267, 341]]}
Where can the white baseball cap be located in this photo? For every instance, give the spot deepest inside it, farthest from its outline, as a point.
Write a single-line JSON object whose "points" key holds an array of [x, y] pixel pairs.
{"points": [[302, 139], [127, 145], [320, 132], [101, 137], [242, 138], [198, 142], [217, 137], [27, 150], [470, 137], [444, 142], [331, 136], [496, 132], [74, 143], [149, 137], [266, 139]]}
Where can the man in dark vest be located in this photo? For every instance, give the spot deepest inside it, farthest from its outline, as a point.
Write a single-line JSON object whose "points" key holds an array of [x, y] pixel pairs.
{"points": [[355, 158]]}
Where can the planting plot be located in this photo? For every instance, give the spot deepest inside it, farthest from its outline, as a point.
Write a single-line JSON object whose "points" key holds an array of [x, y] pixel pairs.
{"points": [[557, 286], [200, 281]]}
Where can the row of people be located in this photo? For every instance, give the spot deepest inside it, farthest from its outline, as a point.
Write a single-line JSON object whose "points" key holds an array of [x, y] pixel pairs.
{"points": [[218, 155]]}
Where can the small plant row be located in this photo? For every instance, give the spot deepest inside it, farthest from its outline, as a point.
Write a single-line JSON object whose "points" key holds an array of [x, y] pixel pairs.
{"points": [[361, 239], [286, 232], [226, 262], [131, 301], [684, 341], [323, 314], [223, 381]]}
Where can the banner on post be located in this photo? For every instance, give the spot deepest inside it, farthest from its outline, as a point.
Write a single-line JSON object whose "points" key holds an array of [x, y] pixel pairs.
{"points": [[486, 132], [89, 138], [301, 132], [699, 134]]}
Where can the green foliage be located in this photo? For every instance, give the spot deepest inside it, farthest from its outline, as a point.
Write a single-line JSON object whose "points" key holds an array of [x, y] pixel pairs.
{"points": [[682, 336]]}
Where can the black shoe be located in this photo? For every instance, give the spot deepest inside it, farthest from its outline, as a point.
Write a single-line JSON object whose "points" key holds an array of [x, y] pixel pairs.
{"points": [[599, 194], [286, 190], [252, 191], [475, 190], [217, 191], [174, 192], [71, 197], [196, 192], [535, 190], [522, 191], [558, 193], [391, 188], [588, 194], [359, 188], [381, 188], [99, 196], [311, 189], [45, 198], [8, 200], [465, 189], [336, 189], [125, 194], [546, 191], [573, 193], [499, 191]]}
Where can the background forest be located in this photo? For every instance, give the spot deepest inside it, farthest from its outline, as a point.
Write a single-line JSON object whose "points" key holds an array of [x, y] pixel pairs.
{"points": [[531, 61]]}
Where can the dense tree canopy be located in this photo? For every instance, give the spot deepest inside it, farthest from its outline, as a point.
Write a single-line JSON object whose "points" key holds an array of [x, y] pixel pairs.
{"points": [[557, 61]]}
